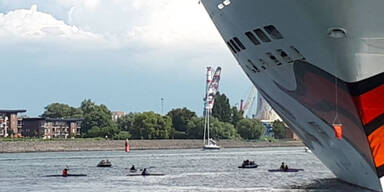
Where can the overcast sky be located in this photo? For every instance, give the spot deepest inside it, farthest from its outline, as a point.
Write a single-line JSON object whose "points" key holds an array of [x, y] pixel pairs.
{"points": [[126, 54]]}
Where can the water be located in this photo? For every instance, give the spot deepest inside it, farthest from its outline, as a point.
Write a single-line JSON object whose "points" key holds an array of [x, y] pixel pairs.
{"points": [[186, 170]]}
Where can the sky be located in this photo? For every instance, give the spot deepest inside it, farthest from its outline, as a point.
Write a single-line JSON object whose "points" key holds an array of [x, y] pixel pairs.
{"points": [[125, 54]]}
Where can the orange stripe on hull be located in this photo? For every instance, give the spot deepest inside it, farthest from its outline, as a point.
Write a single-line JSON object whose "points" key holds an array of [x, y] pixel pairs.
{"points": [[376, 143], [370, 104]]}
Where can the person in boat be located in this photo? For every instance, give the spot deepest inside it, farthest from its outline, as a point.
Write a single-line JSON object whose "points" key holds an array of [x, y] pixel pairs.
{"points": [[133, 168], [282, 166], [245, 162], [145, 172], [65, 172]]}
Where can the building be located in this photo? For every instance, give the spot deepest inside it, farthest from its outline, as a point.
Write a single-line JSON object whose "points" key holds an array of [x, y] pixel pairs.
{"points": [[291, 135], [48, 128], [9, 122], [117, 115]]}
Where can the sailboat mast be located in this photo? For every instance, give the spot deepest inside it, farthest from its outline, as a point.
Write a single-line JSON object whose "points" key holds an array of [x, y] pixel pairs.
{"points": [[205, 124], [207, 104], [209, 110]]}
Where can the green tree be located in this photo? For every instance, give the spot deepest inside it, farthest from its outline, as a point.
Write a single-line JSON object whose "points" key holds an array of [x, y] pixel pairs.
{"points": [[221, 108], [180, 118], [236, 116], [222, 130], [125, 123], [150, 125], [59, 110], [122, 135], [218, 129], [99, 119], [279, 129], [195, 128], [250, 128]]}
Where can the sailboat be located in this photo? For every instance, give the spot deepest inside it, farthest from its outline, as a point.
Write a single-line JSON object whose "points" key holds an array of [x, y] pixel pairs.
{"points": [[209, 143], [212, 87]]}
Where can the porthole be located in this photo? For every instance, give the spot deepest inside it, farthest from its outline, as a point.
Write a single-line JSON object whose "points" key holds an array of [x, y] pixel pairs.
{"points": [[337, 33]]}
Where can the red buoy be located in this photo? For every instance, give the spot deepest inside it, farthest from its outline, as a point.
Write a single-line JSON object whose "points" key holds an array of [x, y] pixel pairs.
{"points": [[126, 146]]}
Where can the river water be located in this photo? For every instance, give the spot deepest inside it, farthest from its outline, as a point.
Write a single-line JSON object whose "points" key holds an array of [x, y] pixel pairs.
{"points": [[185, 170]]}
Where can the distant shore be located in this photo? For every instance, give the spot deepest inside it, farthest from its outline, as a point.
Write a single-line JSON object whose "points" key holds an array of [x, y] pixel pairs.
{"points": [[118, 145]]}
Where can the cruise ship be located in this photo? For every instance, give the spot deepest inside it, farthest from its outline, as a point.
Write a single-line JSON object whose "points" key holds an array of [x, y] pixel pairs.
{"points": [[320, 65]]}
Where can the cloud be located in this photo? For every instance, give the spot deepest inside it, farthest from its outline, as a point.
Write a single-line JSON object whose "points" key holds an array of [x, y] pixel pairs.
{"points": [[153, 22], [151, 34], [30, 24]]}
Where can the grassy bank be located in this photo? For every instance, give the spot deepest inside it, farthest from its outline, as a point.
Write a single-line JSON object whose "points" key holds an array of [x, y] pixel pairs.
{"points": [[39, 145]]}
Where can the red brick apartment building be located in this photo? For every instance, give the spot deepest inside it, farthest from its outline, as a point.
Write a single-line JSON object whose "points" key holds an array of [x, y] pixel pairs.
{"points": [[48, 128], [10, 124]]}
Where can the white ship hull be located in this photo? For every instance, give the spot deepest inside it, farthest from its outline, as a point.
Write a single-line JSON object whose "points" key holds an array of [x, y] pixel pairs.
{"points": [[325, 65]]}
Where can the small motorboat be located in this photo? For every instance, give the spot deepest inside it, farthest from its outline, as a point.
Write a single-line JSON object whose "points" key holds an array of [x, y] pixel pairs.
{"points": [[282, 170], [247, 164], [104, 163]]}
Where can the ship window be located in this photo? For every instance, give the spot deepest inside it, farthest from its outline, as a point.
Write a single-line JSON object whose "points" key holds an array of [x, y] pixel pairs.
{"points": [[253, 70], [284, 55], [230, 46], [239, 43], [253, 65], [262, 36], [273, 32], [273, 58], [234, 45], [263, 64], [252, 38], [227, 2]]}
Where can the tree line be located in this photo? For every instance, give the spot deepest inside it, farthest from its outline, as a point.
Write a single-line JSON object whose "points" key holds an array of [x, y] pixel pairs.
{"points": [[181, 123]]}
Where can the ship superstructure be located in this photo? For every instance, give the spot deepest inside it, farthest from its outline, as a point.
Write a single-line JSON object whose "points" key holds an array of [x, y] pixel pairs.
{"points": [[318, 64]]}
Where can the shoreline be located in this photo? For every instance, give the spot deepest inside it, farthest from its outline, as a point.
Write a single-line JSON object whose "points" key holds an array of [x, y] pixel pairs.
{"points": [[118, 145]]}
